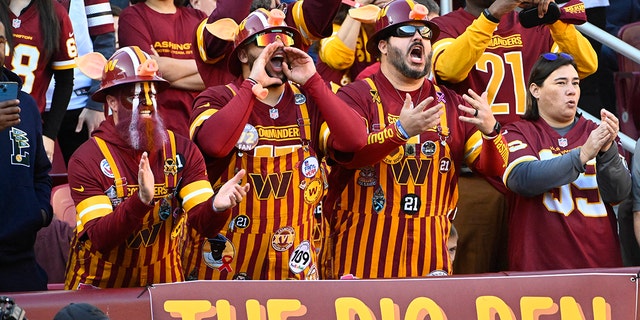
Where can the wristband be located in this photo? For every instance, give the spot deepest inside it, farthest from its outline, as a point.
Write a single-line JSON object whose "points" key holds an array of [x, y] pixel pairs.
{"points": [[489, 16], [402, 131], [253, 81]]}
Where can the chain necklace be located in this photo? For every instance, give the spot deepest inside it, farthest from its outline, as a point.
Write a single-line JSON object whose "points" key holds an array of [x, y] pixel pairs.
{"points": [[412, 99]]}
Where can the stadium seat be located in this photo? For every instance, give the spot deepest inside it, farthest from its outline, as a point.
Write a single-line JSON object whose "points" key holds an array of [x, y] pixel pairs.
{"points": [[627, 83], [627, 86], [58, 171], [53, 242], [630, 34]]}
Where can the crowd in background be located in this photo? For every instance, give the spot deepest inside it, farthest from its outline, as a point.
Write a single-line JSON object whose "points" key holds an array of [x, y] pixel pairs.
{"points": [[310, 139]]}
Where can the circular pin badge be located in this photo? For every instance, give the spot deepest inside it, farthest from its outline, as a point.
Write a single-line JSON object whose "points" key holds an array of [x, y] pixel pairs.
{"points": [[310, 167], [395, 156], [241, 276], [410, 204], [313, 273], [428, 148], [248, 139], [106, 169], [218, 253], [300, 259], [445, 165], [242, 221], [282, 239], [313, 191], [438, 273], [299, 98]]}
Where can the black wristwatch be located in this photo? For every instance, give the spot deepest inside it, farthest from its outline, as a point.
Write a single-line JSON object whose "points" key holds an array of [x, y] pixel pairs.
{"points": [[496, 129], [489, 16]]}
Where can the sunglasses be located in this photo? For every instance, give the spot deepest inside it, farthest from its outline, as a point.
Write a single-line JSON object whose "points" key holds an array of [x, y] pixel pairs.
{"points": [[551, 56], [263, 39], [409, 30]]}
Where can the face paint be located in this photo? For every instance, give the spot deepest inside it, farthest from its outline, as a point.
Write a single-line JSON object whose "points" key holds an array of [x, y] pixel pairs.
{"points": [[139, 120]]}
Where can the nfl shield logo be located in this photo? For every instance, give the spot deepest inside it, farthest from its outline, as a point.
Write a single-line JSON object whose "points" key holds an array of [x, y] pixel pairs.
{"points": [[273, 113], [563, 142], [16, 23]]}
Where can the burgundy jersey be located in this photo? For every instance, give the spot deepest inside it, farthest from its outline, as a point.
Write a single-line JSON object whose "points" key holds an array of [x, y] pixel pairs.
{"points": [[503, 69], [569, 226], [392, 218], [170, 35], [28, 59], [99, 17]]}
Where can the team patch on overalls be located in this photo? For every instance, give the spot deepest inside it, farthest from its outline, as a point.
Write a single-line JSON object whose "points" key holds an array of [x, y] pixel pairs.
{"points": [[445, 165], [282, 239], [106, 169], [310, 167], [300, 258], [410, 204], [378, 201], [429, 148], [218, 253], [113, 196], [248, 139], [367, 177], [410, 150], [313, 191], [165, 208], [395, 156]]}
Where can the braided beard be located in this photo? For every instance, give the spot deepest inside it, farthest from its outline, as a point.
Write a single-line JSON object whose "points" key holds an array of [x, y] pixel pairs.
{"points": [[141, 133]]}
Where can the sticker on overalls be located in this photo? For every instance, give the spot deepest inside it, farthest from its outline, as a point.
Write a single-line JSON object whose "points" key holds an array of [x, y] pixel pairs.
{"points": [[310, 167], [300, 259], [410, 204]]}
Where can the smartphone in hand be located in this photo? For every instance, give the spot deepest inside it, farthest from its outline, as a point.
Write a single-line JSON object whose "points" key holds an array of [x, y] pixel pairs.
{"points": [[8, 91], [529, 17]]}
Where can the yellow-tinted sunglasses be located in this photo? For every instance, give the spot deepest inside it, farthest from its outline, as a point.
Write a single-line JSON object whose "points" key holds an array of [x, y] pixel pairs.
{"points": [[263, 39]]}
